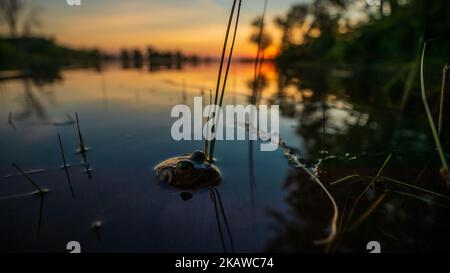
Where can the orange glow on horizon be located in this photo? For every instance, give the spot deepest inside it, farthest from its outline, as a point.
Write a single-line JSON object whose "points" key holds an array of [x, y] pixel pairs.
{"points": [[194, 28], [208, 44]]}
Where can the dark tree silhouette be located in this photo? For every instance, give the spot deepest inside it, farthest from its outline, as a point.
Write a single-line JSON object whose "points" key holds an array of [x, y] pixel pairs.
{"points": [[10, 10], [31, 21], [266, 39]]}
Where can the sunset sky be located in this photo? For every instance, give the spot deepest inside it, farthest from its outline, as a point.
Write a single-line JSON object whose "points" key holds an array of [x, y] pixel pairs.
{"points": [[193, 26]]}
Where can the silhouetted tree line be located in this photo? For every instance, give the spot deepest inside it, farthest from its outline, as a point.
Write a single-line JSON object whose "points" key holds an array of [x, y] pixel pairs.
{"points": [[35, 53], [25, 50], [341, 31], [157, 59]]}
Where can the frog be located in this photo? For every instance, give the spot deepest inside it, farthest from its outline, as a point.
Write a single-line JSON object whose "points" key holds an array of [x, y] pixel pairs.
{"points": [[189, 171]]}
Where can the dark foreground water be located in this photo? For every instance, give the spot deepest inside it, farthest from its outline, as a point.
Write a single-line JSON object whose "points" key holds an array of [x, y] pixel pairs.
{"points": [[270, 205]]}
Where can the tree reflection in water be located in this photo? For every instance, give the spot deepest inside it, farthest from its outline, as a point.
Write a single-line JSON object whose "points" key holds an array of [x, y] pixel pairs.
{"points": [[402, 205]]}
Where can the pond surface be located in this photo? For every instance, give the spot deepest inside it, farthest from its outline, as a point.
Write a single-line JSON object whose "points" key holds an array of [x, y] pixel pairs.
{"points": [[125, 121]]}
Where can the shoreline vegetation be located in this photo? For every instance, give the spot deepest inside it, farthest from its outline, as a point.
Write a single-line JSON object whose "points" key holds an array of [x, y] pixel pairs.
{"points": [[22, 57], [391, 34], [42, 58], [40, 52]]}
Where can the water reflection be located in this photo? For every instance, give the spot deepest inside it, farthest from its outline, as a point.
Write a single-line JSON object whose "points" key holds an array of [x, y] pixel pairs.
{"points": [[358, 133], [269, 205], [31, 105], [40, 216], [65, 166], [220, 214]]}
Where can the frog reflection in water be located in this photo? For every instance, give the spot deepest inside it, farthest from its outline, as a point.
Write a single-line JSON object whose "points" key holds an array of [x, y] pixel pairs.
{"points": [[189, 171]]}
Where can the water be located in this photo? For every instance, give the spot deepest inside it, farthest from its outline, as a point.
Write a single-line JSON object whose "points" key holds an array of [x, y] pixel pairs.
{"points": [[270, 206]]}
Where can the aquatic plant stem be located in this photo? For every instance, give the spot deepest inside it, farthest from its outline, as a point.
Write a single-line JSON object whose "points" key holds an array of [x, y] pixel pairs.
{"points": [[258, 59], [65, 166], [28, 178], [260, 83], [332, 235], [369, 211], [224, 217], [442, 98], [295, 162], [414, 187], [230, 55], [41, 210], [340, 180], [429, 201], [392, 180], [213, 197], [324, 139], [82, 147], [222, 58], [411, 76], [428, 112], [207, 131], [374, 179]]}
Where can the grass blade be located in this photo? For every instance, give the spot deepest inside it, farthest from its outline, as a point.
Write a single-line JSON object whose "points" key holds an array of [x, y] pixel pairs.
{"points": [[65, 166], [428, 112], [442, 98], [213, 141], [28, 178]]}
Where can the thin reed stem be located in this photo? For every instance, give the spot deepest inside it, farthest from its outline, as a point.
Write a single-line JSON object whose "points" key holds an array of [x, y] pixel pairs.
{"points": [[28, 178], [207, 120], [82, 147], [222, 58], [442, 98], [428, 112], [374, 179], [332, 235], [224, 216], [65, 166], [213, 141], [369, 211], [257, 69], [213, 197], [230, 55]]}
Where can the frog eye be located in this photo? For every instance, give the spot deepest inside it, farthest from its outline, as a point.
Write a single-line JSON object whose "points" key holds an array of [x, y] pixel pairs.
{"points": [[198, 156], [185, 166]]}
